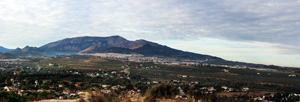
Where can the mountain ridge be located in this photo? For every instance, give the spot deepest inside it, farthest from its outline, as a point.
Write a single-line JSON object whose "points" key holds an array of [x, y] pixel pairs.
{"points": [[73, 45], [118, 44], [28, 51]]}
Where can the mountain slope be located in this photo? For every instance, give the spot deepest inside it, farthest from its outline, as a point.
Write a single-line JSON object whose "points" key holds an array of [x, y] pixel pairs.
{"points": [[74, 45], [148, 49], [152, 50], [3, 49], [125, 45]]}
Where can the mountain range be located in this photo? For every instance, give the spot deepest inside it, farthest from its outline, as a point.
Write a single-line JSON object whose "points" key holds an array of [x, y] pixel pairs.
{"points": [[114, 44], [118, 44]]}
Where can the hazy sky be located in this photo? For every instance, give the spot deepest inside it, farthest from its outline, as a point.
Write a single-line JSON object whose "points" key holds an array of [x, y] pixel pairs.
{"points": [[259, 31]]}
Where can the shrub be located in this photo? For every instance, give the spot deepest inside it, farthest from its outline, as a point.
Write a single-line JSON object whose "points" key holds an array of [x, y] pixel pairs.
{"points": [[164, 91]]}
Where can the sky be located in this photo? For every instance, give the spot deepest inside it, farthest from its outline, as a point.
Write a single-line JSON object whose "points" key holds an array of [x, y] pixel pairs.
{"points": [[256, 31]]}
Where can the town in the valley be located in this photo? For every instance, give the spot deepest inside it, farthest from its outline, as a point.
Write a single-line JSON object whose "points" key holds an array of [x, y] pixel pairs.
{"points": [[106, 77]]}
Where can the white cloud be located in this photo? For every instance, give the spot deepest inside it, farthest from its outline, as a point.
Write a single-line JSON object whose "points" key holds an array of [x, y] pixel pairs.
{"points": [[251, 52], [253, 20]]}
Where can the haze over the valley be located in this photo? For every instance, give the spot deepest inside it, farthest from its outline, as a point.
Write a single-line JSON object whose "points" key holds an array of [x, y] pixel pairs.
{"points": [[254, 31]]}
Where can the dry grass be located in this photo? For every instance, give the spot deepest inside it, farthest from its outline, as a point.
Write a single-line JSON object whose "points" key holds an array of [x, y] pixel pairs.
{"points": [[59, 100]]}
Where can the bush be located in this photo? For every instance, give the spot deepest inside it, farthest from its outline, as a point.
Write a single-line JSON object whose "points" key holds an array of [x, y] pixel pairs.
{"points": [[164, 91], [99, 98]]}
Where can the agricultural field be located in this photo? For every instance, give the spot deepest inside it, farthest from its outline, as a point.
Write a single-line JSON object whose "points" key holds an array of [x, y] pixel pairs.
{"points": [[213, 75], [92, 63]]}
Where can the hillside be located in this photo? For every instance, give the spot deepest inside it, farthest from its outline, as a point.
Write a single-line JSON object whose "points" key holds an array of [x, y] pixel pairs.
{"points": [[75, 45], [6, 56]]}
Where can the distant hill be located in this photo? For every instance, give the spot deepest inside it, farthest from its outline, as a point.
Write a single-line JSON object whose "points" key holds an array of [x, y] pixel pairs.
{"points": [[28, 51], [118, 44], [3, 49]]}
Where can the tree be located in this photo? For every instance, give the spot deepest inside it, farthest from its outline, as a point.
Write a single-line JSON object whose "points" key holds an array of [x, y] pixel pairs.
{"points": [[9, 83]]}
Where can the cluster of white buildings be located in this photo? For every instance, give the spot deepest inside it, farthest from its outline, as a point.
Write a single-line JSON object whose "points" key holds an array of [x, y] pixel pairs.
{"points": [[112, 55]]}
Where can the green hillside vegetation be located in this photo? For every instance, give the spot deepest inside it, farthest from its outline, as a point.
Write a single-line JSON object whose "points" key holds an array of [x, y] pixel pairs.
{"points": [[81, 63]]}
